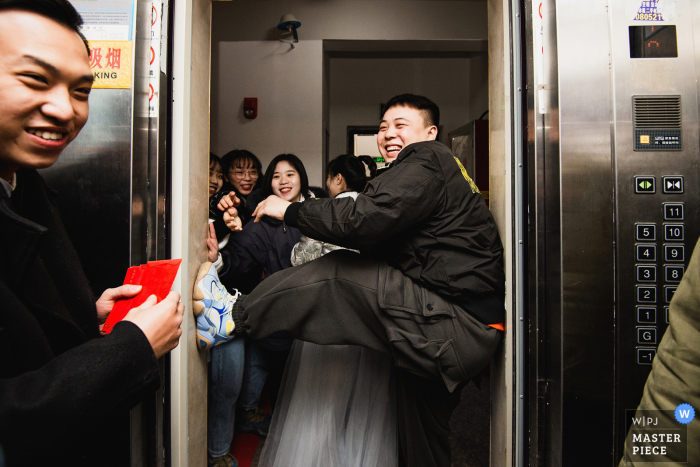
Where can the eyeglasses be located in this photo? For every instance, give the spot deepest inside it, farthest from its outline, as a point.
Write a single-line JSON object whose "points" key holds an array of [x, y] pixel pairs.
{"points": [[241, 174]]}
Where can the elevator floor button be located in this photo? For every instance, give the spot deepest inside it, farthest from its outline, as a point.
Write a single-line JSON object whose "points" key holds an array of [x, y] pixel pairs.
{"points": [[644, 184], [669, 290], [646, 252], [673, 273], [646, 314], [646, 335], [667, 310], [674, 232], [646, 273], [674, 252], [646, 294], [646, 232], [673, 184], [645, 356], [673, 211]]}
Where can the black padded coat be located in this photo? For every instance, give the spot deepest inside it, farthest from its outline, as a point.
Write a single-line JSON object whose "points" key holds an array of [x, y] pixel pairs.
{"points": [[425, 217]]}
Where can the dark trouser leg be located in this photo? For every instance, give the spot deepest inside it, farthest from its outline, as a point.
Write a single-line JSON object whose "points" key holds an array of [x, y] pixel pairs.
{"points": [[424, 408], [345, 298], [276, 362]]}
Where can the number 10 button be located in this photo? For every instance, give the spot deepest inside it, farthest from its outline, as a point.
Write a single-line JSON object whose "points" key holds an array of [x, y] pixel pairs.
{"points": [[674, 232]]}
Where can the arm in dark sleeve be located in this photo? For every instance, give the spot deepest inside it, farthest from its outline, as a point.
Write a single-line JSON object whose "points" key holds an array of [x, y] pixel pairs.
{"points": [[245, 252], [392, 203], [77, 388]]}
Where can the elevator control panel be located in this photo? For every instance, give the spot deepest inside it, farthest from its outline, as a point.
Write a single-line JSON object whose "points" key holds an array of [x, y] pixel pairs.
{"points": [[660, 256]]}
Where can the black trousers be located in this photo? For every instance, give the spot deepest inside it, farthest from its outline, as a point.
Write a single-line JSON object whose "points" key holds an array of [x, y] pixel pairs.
{"points": [[345, 298]]}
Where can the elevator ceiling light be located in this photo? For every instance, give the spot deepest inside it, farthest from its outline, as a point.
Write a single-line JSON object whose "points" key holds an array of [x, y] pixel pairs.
{"points": [[289, 24]]}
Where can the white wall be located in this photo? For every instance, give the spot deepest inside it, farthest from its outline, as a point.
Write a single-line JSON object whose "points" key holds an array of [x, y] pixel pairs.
{"points": [[288, 86], [358, 86], [249, 61]]}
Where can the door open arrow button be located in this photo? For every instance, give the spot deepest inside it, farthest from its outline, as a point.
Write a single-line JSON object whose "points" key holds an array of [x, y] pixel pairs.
{"points": [[645, 185]]}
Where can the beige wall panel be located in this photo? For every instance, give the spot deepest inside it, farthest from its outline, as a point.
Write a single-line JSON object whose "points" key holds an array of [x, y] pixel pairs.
{"points": [[190, 146], [500, 203], [198, 223]]}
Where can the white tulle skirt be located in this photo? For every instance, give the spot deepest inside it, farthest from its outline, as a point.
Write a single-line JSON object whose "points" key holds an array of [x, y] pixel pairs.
{"points": [[336, 408]]}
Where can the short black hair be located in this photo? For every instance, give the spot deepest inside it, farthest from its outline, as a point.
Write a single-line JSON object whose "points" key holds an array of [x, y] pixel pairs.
{"points": [[428, 108], [214, 159], [295, 162], [351, 168], [241, 154], [371, 165], [60, 11]]}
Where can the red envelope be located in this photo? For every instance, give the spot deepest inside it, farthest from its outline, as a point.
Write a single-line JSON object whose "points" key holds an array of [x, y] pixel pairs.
{"points": [[157, 279]]}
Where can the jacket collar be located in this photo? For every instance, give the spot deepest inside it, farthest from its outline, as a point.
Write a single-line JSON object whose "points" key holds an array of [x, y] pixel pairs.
{"points": [[6, 188], [19, 242]]}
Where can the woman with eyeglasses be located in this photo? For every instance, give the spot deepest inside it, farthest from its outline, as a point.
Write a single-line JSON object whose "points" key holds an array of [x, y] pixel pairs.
{"points": [[266, 245], [237, 370], [242, 170]]}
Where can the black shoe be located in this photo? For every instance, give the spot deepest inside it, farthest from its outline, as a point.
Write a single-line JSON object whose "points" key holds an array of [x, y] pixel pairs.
{"points": [[255, 422]]}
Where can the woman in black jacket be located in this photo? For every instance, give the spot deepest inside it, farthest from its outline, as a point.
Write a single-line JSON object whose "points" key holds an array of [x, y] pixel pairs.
{"points": [[268, 245], [242, 175]]}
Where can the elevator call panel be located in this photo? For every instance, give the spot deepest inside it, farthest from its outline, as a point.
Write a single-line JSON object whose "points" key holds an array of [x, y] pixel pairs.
{"points": [[660, 260], [657, 191]]}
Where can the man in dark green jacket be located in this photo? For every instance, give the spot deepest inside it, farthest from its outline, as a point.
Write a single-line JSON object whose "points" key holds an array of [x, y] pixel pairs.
{"points": [[675, 373], [428, 288]]}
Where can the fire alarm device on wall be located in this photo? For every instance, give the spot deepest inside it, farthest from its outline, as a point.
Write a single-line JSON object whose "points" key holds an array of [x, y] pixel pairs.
{"points": [[250, 107]]}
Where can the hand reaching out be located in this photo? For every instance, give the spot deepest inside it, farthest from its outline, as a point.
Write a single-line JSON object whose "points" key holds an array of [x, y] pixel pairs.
{"points": [[106, 301], [229, 200], [273, 206], [228, 204]]}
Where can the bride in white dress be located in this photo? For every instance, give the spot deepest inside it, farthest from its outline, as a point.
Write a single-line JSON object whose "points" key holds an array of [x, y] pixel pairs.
{"points": [[337, 405]]}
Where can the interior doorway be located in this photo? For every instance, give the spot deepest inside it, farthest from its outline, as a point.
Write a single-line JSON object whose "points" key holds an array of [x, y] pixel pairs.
{"points": [[298, 112]]}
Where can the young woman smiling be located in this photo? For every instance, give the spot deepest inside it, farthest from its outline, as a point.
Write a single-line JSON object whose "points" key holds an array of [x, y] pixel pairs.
{"points": [[268, 245]]}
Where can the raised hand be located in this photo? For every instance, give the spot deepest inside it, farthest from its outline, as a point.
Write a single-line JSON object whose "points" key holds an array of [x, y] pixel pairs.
{"points": [[212, 244]]}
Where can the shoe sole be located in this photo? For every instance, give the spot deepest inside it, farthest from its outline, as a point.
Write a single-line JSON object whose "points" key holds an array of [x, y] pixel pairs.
{"points": [[198, 306]]}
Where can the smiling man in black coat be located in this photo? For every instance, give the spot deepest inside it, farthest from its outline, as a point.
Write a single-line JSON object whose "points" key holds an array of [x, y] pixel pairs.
{"points": [[65, 390]]}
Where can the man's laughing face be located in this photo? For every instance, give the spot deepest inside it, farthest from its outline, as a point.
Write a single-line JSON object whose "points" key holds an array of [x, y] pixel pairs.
{"points": [[45, 81], [400, 127]]}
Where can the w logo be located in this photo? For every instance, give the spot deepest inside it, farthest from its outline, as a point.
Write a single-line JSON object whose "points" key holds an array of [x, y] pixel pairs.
{"points": [[685, 413]]}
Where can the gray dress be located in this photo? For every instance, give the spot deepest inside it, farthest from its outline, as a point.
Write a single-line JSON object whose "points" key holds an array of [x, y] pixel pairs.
{"points": [[336, 406]]}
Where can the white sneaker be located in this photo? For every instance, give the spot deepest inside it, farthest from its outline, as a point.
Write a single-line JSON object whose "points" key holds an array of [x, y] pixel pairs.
{"points": [[212, 308]]}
